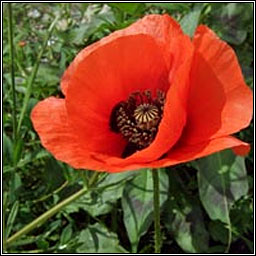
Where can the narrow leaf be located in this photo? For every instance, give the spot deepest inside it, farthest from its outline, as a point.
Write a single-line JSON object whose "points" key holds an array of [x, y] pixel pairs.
{"points": [[7, 149], [11, 218], [66, 234]]}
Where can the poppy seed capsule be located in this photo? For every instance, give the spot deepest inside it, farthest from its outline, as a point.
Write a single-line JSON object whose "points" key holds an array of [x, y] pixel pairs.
{"points": [[137, 119]]}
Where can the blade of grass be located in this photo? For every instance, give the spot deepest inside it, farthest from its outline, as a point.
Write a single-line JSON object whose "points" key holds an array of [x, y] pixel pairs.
{"points": [[10, 40], [31, 79], [11, 218]]}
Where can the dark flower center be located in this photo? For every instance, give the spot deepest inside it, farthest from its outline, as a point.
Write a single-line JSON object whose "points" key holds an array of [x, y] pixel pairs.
{"points": [[137, 119]]}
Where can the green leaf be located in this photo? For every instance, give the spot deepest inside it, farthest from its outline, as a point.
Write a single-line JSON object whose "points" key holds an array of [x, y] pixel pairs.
{"points": [[232, 21], [11, 218], [97, 239], [53, 226], [171, 7], [16, 182], [221, 180], [17, 152], [235, 36], [190, 21], [102, 200], [53, 175], [130, 8], [42, 244], [48, 75], [217, 249], [31, 103], [21, 89], [7, 149], [218, 232], [25, 241], [183, 217], [188, 229], [66, 234], [137, 203], [96, 23]]}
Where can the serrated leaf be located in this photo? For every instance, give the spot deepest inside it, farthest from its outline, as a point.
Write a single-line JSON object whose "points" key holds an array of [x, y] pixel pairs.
{"points": [[137, 203], [221, 180], [97, 239], [190, 21]]}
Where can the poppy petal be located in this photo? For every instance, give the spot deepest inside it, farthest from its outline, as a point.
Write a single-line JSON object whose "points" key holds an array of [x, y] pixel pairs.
{"points": [[106, 77], [49, 118], [220, 103], [184, 153], [162, 28], [174, 117]]}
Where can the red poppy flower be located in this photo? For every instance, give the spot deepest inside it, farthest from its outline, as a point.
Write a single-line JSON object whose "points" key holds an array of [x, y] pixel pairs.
{"points": [[147, 96]]}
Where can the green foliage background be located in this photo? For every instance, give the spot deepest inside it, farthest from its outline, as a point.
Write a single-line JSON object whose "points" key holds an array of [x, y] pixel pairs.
{"points": [[205, 206]]}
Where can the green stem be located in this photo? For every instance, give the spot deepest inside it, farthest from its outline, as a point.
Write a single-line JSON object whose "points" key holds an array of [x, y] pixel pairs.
{"points": [[157, 236], [10, 39], [4, 215], [229, 236], [33, 75], [43, 198], [84, 178], [45, 216]]}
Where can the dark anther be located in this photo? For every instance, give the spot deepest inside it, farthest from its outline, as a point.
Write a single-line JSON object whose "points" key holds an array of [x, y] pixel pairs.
{"points": [[137, 119]]}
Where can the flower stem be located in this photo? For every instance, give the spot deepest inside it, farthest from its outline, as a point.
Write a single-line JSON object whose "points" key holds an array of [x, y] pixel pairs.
{"points": [[45, 216], [157, 236], [10, 40], [31, 79]]}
